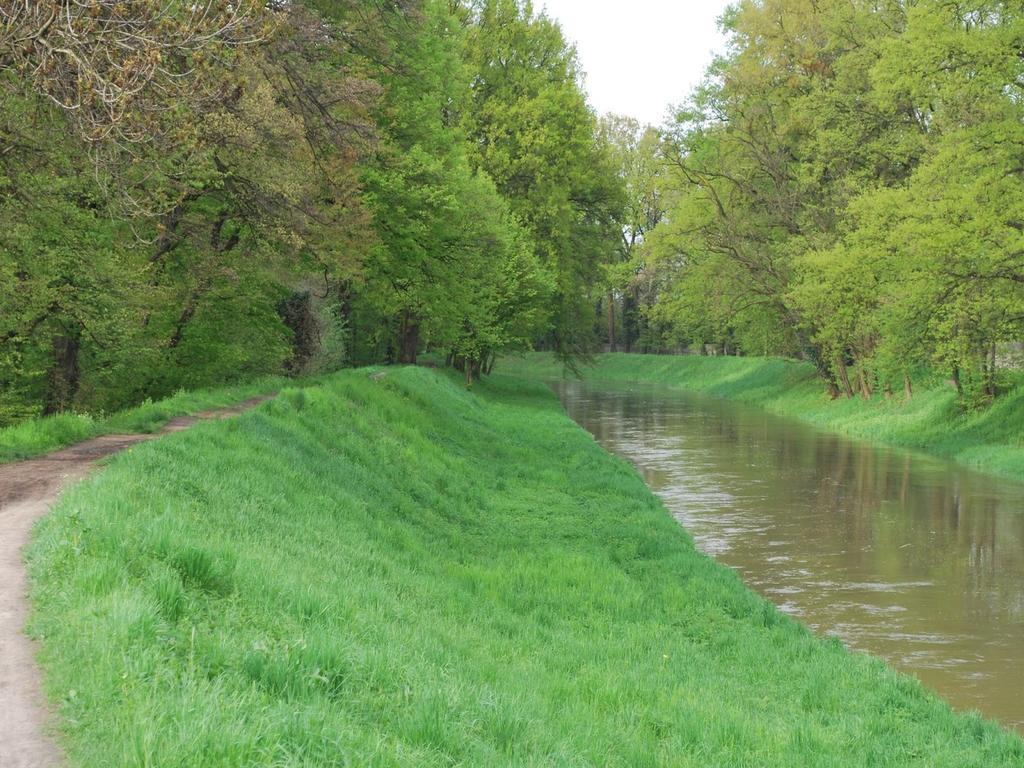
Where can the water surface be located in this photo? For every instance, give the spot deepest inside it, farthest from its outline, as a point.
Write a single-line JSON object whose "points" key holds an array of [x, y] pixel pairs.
{"points": [[912, 558]]}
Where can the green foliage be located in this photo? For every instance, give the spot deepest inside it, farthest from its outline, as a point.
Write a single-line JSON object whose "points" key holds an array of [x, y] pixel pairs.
{"points": [[331, 159], [531, 131], [453, 268], [636, 152], [933, 267], [849, 191], [360, 595], [99, 311]]}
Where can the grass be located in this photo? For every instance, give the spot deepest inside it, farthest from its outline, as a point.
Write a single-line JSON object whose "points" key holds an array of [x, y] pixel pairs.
{"points": [[398, 572], [991, 440], [38, 436]]}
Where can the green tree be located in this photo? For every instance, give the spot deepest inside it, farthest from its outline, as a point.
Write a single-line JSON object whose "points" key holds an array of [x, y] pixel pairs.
{"points": [[530, 129], [636, 152]]}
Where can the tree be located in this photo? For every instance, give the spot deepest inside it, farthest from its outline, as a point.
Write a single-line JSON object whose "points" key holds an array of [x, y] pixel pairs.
{"points": [[116, 66], [636, 152], [259, 199], [847, 187], [938, 257], [773, 147], [531, 131], [505, 290]]}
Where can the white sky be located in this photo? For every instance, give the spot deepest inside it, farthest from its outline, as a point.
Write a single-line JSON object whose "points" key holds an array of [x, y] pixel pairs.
{"points": [[640, 56]]}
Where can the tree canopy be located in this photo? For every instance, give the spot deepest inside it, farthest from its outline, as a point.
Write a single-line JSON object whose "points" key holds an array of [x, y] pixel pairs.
{"points": [[196, 193], [846, 187]]}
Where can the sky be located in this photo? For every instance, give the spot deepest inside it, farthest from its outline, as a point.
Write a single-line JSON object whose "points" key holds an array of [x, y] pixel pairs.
{"points": [[640, 56]]}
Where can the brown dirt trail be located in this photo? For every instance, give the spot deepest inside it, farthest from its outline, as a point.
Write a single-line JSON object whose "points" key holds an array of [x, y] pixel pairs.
{"points": [[27, 490]]}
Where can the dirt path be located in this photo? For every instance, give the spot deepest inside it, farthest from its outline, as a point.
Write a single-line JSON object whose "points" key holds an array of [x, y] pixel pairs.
{"points": [[27, 490]]}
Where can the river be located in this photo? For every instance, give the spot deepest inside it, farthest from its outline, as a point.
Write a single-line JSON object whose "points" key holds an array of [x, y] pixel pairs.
{"points": [[912, 558]]}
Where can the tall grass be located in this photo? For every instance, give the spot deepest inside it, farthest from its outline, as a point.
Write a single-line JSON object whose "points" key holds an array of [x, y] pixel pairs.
{"points": [[398, 572], [990, 439], [37, 436]]}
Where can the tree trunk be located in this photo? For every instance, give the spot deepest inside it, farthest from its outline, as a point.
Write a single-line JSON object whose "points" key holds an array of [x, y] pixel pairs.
{"points": [[409, 341], [202, 288], [184, 319], [908, 387], [990, 374], [64, 376], [844, 376], [630, 333], [864, 383], [957, 384], [813, 353], [611, 321], [298, 314], [349, 316]]}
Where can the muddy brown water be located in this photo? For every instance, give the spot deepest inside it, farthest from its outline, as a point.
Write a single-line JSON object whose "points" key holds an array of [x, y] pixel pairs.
{"points": [[914, 559]]}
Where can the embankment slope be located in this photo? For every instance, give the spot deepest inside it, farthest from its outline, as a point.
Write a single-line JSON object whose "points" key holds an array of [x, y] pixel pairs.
{"points": [[398, 572]]}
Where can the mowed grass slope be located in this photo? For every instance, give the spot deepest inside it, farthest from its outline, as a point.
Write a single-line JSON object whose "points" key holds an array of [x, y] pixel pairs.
{"points": [[404, 573], [990, 439]]}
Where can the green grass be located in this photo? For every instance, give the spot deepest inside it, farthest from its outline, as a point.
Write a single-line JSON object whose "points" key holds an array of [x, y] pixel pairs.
{"points": [[991, 440], [403, 573], [35, 437]]}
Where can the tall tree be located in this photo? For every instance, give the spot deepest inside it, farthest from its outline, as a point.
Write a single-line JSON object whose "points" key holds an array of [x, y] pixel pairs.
{"points": [[636, 152], [531, 131]]}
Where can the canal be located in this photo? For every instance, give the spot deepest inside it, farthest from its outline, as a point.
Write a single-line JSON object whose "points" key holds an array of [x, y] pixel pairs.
{"points": [[914, 559]]}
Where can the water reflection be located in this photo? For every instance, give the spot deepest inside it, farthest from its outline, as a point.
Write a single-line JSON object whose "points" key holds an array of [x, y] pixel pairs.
{"points": [[911, 558]]}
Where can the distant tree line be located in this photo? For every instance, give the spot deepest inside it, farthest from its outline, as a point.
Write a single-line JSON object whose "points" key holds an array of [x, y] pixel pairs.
{"points": [[197, 192], [847, 186]]}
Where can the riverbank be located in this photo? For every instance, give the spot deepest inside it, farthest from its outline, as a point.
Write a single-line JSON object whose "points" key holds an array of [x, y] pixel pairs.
{"points": [[991, 440], [395, 571], [39, 436]]}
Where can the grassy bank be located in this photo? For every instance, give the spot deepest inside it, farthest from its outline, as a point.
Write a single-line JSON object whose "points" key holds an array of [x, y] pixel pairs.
{"points": [[991, 440], [49, 433], [403, 573]]}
